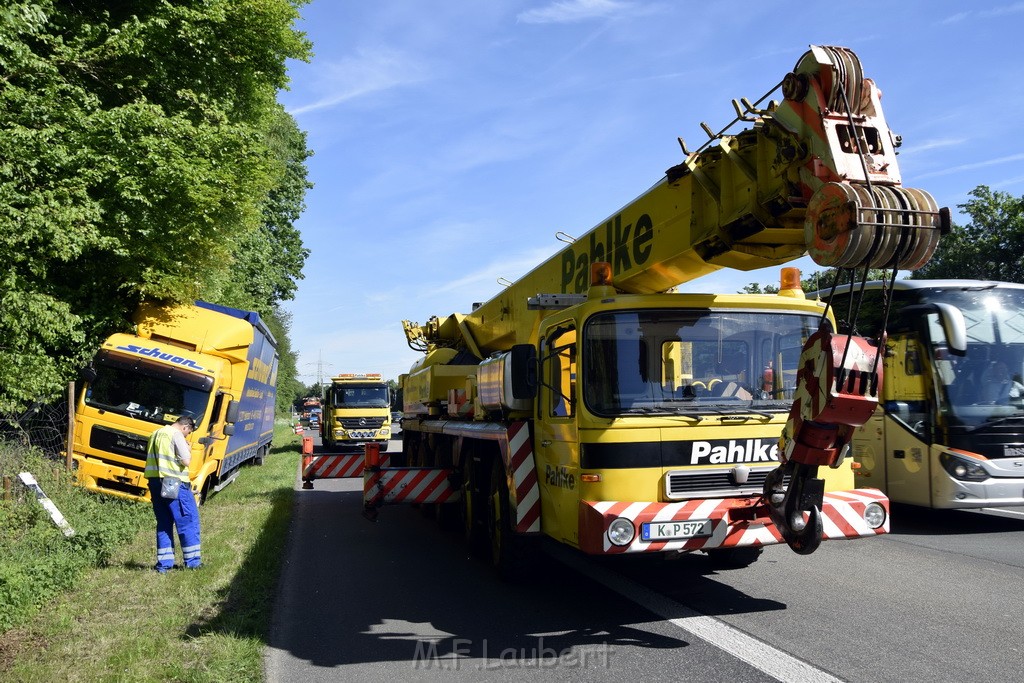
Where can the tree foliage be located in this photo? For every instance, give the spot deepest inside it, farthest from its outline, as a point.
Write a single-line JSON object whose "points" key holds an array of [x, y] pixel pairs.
{"points": [[143, 156], [990, 247], [757, 288], [279, 322], [820, 280]]}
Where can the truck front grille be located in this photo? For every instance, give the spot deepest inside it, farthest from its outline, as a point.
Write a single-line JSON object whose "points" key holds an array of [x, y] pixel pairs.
{"points": [[119, 442], [350, 423], [716, 483]]}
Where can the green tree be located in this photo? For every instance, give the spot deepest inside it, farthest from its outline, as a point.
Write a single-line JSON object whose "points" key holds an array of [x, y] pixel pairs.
{"points": [[822, 280], [140, 146], [269, 260], [819, 280], [755, 288], [990, 247], [288, 386]]}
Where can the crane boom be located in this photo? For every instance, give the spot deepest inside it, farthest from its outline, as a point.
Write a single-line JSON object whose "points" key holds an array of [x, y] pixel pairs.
{"points": [[816, 173]]}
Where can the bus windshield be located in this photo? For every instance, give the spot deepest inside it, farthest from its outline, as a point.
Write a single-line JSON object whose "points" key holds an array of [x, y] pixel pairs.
{"points": [[717, 361], [987, 383]]}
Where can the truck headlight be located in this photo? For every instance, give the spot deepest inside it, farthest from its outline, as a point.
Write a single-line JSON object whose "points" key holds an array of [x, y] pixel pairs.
{"points": [[874, 515], [962, 468], [621, 531]]}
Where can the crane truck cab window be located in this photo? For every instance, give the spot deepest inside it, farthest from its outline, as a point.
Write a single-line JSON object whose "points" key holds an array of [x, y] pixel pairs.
{"points": [[560, 373]]}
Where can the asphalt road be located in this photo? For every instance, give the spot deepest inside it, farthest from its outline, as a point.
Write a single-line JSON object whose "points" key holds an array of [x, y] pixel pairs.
{"points": [[939, 599]]}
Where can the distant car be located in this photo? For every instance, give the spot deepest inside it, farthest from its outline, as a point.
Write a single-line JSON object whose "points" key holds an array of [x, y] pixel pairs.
{"points": [[396, 416]]}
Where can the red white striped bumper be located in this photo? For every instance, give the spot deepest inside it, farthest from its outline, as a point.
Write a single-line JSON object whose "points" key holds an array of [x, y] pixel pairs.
{"points": [[732, 524], [336, 466], [408, 485]]}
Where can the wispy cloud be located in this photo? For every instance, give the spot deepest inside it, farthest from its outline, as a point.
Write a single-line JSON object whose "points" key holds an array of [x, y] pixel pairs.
{"points": [[488, 277], [1002, 11], [364, 73], [573, 11], [991, 13], [928, 145], [971, 167], [1007, 182], [955, 18]]}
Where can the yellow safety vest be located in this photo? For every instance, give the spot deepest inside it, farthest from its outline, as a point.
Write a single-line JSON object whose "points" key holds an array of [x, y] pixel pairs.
{"points": [[161, 460]]}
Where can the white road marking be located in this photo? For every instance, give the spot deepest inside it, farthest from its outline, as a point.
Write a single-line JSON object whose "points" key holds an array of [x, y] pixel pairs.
{"points": [[1016, 513], [758, 654]]}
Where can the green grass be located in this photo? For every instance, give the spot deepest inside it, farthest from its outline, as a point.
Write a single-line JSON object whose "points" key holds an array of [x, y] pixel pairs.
{"points": [[124, 622]]}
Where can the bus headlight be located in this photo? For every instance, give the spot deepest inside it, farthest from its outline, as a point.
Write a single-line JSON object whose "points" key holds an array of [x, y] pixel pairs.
{"points": [[874, 515], [620, 531], [962, 468]]}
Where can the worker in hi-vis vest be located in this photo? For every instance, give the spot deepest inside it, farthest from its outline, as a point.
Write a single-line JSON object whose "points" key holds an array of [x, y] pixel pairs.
{"points": [[168, 456]]}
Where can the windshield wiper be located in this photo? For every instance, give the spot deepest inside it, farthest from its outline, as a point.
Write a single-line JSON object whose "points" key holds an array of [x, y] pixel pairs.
{"points": [[995, 421], [662, 410]]}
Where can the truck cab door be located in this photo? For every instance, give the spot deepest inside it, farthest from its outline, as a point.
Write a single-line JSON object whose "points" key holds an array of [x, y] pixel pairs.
{"points": [[556, 434]]}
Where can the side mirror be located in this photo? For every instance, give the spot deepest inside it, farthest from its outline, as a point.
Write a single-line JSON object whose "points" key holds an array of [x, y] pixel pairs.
{"points": [[952, 320], [524, 371], [87, 374], [232, 414], [955, 327], [205, 440], [229, 429]]}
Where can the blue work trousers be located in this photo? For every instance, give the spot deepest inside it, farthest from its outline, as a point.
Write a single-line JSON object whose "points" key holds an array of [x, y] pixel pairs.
{"points": [[182, 514]]}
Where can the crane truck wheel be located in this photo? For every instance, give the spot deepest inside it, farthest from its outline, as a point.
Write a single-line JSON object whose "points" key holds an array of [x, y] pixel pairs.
{"points": [[473, 499], [508, 550]]}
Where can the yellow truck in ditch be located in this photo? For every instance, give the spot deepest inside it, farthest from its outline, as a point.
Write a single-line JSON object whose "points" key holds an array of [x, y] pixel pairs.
{"points": [[588, 403], [214, 363]]}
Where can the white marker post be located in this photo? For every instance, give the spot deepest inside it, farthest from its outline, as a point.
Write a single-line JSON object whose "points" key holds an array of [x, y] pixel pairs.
{"points": [[30, 482]]}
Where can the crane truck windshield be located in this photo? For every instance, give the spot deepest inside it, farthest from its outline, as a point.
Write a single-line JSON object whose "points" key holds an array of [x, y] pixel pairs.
{"points": [[650, 361], [146, 390]]}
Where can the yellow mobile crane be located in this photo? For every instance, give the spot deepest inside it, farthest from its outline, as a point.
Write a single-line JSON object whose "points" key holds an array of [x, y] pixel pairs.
{"points": [[587, 403]]}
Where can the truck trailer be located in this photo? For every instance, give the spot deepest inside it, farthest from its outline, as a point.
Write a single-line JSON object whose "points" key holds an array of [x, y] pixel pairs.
{"points": [[213, 363]]}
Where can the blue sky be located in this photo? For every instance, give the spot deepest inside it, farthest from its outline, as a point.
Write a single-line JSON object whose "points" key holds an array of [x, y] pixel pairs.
{"points": [[454, 138]]}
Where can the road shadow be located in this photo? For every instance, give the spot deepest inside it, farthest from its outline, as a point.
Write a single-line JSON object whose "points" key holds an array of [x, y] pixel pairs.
{"points": [[917, 521], [402, 589], [688, 579], [405, 590]]}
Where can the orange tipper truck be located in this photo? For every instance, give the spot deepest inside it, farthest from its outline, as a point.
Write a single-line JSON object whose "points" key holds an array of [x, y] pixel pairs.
{"points": [[589, 403], [214, 363]]}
